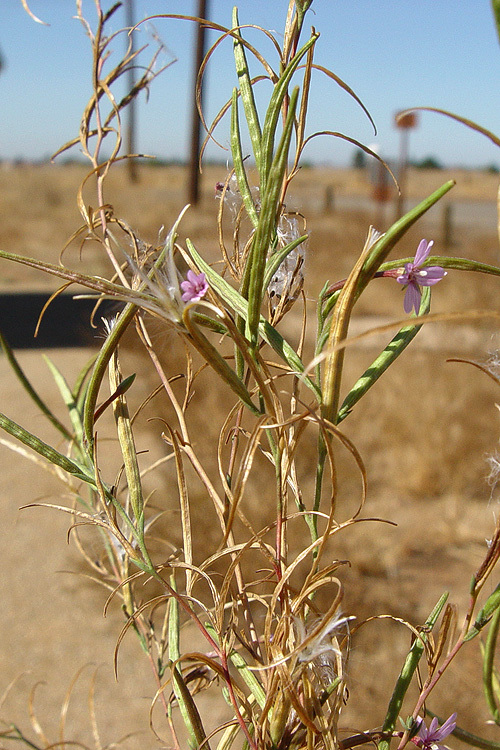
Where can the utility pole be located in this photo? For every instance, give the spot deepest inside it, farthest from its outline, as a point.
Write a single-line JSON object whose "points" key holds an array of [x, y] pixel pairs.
{"points": [[405, 123], [194, 173], [131, 130]]}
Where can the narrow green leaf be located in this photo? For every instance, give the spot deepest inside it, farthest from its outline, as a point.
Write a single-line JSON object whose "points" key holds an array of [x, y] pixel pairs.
{"points": [[207, 322], [246, 90], [51, 454], [338, 328], [187, 706], [325, 310], [81, 382], [277, 258], [407, 672], [127, 444], [248, 676], [266, 229], [68, 398], [98, 373], [485, 614], [239, 166], [190, 714], [174, 651], [489, 667], [303, 5], [391, 352], [21, 376], [122, 388], [219, 364], [273, 112]]}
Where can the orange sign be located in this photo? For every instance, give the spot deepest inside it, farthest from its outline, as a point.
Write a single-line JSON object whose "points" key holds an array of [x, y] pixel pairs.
{"points": [[407, 121]]}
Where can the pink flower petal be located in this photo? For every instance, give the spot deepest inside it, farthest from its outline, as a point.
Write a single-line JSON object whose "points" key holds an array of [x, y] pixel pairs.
{"points": [[194, 287], [430, 275], [423, 251], [412, 298]]}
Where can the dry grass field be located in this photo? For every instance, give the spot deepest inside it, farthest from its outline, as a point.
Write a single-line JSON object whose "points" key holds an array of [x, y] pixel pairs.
{"points": [[424, 433]]}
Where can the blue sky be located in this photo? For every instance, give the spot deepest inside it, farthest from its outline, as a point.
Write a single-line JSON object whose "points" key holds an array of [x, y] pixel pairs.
{"points": [[393, 53]]}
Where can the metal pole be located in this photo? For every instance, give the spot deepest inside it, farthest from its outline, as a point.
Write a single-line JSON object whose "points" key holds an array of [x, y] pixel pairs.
{"points": [[402, 172], [194, 174], [132, 113]]}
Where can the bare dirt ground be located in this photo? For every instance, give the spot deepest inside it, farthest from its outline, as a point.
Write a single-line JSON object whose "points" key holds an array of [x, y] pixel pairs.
{"points": [[424, 433]]}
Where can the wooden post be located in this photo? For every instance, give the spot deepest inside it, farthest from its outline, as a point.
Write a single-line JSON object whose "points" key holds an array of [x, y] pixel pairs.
{"points": [[194, 173], [329, 200], [447, 225]]}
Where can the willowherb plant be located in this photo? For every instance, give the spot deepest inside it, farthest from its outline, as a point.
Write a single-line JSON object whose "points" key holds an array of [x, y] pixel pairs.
{"points": [[272, 631]]}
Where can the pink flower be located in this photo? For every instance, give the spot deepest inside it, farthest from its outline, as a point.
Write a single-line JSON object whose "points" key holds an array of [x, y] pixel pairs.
{"points": [[194, 287], [431, 739], [413, 276]]}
